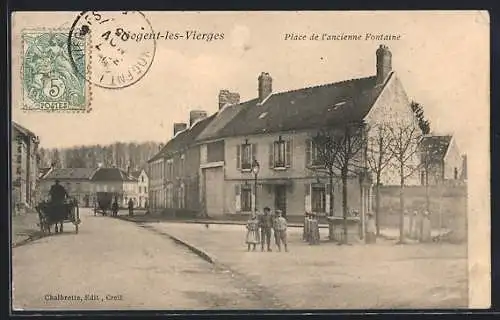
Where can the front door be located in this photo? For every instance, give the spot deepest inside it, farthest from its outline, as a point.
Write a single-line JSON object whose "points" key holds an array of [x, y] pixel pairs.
{"points": [[280, 198]]}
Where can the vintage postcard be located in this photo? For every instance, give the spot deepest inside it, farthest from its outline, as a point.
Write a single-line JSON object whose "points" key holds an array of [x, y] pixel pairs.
{"points": [[250, 160]]}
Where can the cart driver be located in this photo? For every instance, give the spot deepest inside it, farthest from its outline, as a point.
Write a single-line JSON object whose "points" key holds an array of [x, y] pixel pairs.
{"points": [[57, 193]]}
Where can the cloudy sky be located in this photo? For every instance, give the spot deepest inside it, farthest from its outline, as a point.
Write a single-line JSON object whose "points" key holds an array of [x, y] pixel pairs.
{"points": [[442, 59]]}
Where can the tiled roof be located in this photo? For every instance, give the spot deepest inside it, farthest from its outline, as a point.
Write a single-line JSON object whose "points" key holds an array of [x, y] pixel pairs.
{"points": [[136, 174], [436, 146], [222, 118], [22, 129], [183, 139], [70, 173], [111, 174], [313, 107]]}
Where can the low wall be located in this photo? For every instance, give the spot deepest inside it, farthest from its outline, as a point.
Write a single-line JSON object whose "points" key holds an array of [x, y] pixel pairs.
{"points": [[447, 203]]}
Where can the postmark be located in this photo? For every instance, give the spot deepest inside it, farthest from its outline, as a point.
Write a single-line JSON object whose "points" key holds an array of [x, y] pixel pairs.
{"points": [[123, 47], [50, 82]]}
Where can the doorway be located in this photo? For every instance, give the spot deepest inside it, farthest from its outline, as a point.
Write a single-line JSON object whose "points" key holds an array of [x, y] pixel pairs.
{"points": [[280, 198]]}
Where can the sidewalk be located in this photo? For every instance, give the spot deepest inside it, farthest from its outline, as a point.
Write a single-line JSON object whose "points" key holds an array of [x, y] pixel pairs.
{"points": [[24, 227], [327, 276]]}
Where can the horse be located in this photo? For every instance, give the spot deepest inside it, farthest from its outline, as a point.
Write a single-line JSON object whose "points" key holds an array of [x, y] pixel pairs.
{"points": [[53, 214]]}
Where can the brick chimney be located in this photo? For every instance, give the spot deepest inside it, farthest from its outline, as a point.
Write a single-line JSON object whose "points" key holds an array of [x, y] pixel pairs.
{"points": [[196, 115], [265, 86], [384, 63], [228, 97], [178, 127]]}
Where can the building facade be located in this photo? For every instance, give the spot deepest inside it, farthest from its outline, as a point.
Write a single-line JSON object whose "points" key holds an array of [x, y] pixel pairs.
{"points": [[174, 171], [117, 182], [142, 188], [24, 164], [277, 130], [444, 161], [76, 181]]}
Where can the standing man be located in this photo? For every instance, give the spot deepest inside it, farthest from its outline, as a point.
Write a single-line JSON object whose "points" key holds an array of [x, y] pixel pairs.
{"points": [[57, 193], [130, 207], [265, 224], [281, 227]]}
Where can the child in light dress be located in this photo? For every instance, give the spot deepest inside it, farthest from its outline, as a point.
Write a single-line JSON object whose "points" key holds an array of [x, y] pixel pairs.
{"points": [[252, 238]]}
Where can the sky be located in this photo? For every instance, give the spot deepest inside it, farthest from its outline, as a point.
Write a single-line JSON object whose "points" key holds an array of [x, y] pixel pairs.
{"points": [[442, 59]]}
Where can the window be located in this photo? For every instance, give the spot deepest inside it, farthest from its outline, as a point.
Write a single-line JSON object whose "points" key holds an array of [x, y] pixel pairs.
{"points": [[140, 188], [19, 159], [170, 170], [245, 154], [181, 197], [145, 189], [313, 154], [182, 165], [280, 154], [318, 198], [142, 178], [246, 198]]}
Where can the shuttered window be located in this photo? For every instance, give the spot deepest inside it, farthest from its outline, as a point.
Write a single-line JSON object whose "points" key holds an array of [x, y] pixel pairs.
{"points": [[280, 154], [245, 154]]}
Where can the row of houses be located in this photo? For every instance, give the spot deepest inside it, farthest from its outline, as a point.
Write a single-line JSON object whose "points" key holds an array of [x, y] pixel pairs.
{"points": [[84, 184], [206, 168]]}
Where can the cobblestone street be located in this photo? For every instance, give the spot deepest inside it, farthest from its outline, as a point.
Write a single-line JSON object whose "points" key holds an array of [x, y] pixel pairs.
{"points": [[125, 267]]}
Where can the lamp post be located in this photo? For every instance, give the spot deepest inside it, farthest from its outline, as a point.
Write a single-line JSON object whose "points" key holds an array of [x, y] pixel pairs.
{"points": [[255, 170]]}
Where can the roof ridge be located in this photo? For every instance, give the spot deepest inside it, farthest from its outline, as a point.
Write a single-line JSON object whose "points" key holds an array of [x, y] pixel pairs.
{"points": [[323, 85]]}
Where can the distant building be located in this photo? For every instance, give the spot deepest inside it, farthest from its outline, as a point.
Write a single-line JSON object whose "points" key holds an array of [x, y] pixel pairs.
{"points": [[142, 187], [76, 181], [444, 161], [24, 163], [116, 181]]}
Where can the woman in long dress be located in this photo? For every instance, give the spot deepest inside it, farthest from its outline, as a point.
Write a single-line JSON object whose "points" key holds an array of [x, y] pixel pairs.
{"points": [[252, 238]]}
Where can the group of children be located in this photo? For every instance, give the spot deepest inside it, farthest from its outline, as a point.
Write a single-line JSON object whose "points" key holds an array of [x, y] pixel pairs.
{"points": [[417, 226], [266, 223], [310, 232]]}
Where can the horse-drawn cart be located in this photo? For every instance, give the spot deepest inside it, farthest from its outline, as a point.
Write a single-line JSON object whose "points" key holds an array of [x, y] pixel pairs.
{"points": [[103, 203], [57, 213]]}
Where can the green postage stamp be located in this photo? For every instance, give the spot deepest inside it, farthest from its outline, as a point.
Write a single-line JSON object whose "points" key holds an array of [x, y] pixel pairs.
{"points": [[51, 80]]}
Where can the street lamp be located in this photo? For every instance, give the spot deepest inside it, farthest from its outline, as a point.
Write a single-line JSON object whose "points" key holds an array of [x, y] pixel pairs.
{"points": [[255, 170]]}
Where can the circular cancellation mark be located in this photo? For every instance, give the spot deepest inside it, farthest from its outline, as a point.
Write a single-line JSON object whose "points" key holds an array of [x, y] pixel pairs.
{"points": [[121, 48]]}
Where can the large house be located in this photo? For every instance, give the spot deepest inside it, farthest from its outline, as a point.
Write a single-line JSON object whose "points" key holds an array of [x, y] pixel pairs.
{"points": [[76, 181], [275, 129], [24, 163], [174, 170], [442, 160]]}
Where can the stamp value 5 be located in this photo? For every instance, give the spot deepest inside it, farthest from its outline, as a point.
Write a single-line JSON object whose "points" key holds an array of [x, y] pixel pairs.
{"points": [[50, 81]]}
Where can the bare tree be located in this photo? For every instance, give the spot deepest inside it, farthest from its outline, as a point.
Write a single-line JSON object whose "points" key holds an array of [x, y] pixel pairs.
{"points": [[379, 157], [340, 149], [405, 147]]}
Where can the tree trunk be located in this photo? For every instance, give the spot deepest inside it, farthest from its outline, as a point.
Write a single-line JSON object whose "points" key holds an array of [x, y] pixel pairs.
{"points": [[377, 205], [331, 195], [427, 198], [401, 204], [344, 203]]}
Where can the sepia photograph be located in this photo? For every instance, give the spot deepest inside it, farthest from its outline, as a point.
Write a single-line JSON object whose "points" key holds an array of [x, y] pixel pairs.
{"points": [[250, 160]]}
